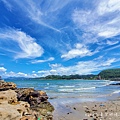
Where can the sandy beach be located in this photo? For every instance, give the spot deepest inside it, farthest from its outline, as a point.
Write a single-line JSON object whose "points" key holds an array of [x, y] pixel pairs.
{"points": [[106, 110]]}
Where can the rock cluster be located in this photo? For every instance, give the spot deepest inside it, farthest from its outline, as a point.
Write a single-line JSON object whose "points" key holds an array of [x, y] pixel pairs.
{"points": [[115, 84], [23, 103], [7, 85]]}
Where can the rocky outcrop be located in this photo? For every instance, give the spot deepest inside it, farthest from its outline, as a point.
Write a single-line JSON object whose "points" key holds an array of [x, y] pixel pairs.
{"points": [[10, 107], [115, 84], [37, 100], [23, 103], [33, 97], [7, 85]]}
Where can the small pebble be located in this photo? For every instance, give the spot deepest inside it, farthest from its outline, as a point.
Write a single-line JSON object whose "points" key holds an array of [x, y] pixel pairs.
{"points": [[74, 108]]}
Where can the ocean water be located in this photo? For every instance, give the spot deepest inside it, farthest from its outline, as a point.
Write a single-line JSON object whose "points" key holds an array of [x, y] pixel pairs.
{"points": [[66, 89]]}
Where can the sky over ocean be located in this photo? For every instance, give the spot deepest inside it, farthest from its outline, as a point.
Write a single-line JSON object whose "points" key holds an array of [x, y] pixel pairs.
{"points": [[44, 37]]}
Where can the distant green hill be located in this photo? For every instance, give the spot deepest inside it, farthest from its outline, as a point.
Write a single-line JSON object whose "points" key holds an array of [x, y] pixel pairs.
{"points": [[69, 77], [110, 74], [113, 74]]}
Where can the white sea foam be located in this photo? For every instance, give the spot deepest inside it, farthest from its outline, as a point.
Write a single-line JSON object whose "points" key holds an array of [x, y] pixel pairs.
{"points": [[67, 86], [46, 87], [108, 83], [75, 89], [85, 88], [48, 83], [115, 92], [66, 90]]}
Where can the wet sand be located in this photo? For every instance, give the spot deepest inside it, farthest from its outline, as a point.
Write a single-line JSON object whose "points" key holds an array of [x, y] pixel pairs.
{"points": [[105, 110]]}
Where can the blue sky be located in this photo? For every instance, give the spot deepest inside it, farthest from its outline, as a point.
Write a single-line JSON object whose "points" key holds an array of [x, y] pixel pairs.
{"points": [[44, 37]]}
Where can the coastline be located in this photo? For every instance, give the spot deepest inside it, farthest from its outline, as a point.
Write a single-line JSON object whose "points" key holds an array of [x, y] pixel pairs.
{"points": [[99, 109], [70, 98]]}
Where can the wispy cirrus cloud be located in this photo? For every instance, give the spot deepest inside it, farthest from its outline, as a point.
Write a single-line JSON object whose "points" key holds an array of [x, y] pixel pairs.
{"points": [[52, 6], [111, 43], [113, 47], [42, 61], [26, 45], [103, 21], [107, 6], [32, 10]]}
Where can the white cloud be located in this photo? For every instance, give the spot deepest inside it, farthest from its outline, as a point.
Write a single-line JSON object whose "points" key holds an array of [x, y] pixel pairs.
{"points": [[2, 69], [114, 47], [109, 42], [109, 62], [27, 44], [53, 72], [43, 73], [107, 6], [34, 75], [103, 21], [79, 51], [53, 6], [13, 74], [109, 33], [32, 11], [21, 74], [54, 65], [18, 74], [42, 61], [83, 67], [36, 15], [33, 71], [81, 17]]}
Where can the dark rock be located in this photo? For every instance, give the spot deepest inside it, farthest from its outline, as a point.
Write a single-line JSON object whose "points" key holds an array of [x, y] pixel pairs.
{"points": [[37, 100], [115, 84], [87, 111], [23, 93], [94, 110], [33, 97], [74, 108]]}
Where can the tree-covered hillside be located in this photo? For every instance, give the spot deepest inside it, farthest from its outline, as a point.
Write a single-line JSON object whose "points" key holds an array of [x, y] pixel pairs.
{"points": [[110, 73], [68, 77]]}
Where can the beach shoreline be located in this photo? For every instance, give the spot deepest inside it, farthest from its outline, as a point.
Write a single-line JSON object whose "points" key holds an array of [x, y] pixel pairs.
{"points": [[88, 110], [70, 98]]}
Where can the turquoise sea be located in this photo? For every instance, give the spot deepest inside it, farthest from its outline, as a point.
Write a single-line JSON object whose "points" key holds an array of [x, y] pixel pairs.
{"points": [[67, 90]]}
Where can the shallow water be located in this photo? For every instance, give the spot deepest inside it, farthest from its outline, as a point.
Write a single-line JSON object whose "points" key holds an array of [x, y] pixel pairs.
{"points": [[57, 89]]}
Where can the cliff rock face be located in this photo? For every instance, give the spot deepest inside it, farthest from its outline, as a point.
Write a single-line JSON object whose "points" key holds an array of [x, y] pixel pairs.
{"points": [[23, 103]]}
